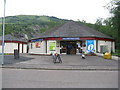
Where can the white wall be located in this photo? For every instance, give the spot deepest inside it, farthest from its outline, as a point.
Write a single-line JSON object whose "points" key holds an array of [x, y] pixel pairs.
{"points": [[20, 51], [43, 49], [95, 45], [109, 44], [34, 50], [0, 48], [9, 48], [25, 48], [58, 47], [113, 46]]}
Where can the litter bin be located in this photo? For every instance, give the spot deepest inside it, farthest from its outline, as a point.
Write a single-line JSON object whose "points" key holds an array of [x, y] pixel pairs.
{"points": [[107, 55], [16, 54]]}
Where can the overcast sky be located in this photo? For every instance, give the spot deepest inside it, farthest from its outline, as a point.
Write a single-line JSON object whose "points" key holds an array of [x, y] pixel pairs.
{"points": [[88, 10]]}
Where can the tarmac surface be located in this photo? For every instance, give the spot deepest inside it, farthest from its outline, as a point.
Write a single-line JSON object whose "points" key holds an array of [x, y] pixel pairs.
{"points": [[69, 62], [24, 78]]}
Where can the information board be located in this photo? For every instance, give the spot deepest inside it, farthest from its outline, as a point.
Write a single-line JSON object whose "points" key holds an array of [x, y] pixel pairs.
{"points": [[90, 45], [52, 46]]}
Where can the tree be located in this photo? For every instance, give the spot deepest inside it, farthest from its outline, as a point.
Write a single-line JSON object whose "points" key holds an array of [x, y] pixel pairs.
{"points": [[98, 24], [114, 8], [116, 21]]}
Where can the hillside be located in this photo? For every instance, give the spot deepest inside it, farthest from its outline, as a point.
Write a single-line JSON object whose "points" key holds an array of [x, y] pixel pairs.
{"points": [[29, 25]]}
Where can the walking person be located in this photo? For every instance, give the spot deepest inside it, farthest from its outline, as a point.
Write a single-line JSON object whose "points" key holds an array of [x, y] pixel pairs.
{"points": [[57, 56], [53, 56]]}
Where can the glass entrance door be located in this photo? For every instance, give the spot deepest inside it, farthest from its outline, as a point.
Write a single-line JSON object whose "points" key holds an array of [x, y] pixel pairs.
{"points": [[68, 47]]}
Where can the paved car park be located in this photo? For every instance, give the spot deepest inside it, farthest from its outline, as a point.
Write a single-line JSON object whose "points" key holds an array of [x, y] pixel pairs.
{"points": [[69, 62]]}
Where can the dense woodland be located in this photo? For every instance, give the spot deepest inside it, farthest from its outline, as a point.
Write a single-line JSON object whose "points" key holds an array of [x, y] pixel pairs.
{"points": [[32, 25]]}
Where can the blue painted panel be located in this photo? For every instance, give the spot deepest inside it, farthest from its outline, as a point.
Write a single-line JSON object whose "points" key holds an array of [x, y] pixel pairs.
{"points": [[90, 45], [36, 40], [70, 38]]}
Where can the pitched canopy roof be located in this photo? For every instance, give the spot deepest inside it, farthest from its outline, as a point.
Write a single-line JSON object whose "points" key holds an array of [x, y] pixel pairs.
{"points": [[73, 29], [11, 38]]}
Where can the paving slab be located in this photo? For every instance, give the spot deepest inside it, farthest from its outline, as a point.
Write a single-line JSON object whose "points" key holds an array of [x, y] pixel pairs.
{"points": [[70, 62]]}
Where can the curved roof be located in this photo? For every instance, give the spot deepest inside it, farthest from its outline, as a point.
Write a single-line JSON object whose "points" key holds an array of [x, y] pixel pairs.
{"points": [[73, 29]]}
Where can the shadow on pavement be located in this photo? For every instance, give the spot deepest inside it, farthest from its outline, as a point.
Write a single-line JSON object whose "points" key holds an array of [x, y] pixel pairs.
{"points": [[9, 59]]}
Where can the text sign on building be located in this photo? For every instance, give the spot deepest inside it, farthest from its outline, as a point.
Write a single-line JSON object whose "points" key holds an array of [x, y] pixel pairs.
{"points": [[70, 38], [36, 40], [90, 45]]}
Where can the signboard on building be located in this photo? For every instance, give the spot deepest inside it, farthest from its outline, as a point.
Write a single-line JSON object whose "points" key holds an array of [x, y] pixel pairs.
{"points": [[52, 46], [36, 40], [90, 45], [37, 44], [70, 38]]}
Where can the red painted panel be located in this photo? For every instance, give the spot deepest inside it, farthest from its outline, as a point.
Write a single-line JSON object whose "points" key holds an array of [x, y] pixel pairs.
{"points": [[29, 41], [86, 38], [95, 38], [52, 38], [81, 38], [15, 42]]}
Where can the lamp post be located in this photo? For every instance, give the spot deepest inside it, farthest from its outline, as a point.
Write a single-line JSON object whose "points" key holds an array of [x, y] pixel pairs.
{"points": [[3, 30]]}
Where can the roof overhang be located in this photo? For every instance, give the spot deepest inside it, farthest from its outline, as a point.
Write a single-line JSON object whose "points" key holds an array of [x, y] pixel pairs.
{"points": [[72, 38], [8, 41]]}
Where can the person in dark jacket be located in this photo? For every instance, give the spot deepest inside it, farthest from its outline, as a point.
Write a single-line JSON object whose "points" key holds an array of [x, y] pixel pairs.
{"points": [[57, 56]]}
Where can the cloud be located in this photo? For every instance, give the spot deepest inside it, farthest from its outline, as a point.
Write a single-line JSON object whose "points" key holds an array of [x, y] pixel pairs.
{"points": [[88, 10]]}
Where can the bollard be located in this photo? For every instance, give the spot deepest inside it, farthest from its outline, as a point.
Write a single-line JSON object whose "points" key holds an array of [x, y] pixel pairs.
{"points": [[107, 55], [16, 54]]}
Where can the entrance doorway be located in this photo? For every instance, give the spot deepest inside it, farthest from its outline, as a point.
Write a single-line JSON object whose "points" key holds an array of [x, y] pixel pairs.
{"points": [[71, 47], [68, 47]]}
